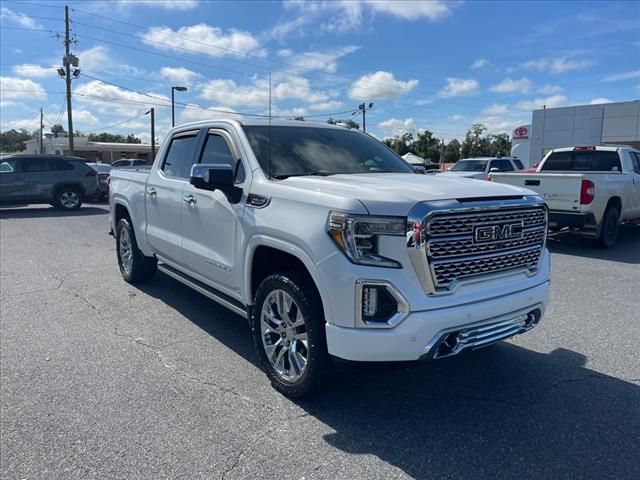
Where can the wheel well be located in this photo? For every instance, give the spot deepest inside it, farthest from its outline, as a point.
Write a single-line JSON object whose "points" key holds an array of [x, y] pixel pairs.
{"points": [[121, 212], [268, 261], [616, 202], [75, 186]]}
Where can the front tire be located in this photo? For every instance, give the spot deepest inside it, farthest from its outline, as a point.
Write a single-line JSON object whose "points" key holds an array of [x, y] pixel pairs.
{"points": [[68, 199], [609, 229], [287, 325], [134, 266]]}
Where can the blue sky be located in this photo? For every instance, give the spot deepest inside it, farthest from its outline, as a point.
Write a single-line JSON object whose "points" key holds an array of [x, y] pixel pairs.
{"points": [[431, 65]]}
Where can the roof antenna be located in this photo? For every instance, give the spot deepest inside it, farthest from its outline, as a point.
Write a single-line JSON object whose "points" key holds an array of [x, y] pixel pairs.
{"points": [[269, 159]]}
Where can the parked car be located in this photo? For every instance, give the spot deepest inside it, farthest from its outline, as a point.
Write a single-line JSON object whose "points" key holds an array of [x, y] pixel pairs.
{"points": [[64, 182], [589, 190], [129, 163], [104, 170], [331, 246], [479, 168]]}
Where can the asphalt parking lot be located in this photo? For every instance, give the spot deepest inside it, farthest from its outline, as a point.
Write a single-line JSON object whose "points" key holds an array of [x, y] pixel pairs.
{"points": [[100, 379]]}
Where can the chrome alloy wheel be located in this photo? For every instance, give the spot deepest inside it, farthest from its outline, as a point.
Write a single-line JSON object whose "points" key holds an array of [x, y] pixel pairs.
{"points": [[284, 335], [69, 200], [126, 250]]}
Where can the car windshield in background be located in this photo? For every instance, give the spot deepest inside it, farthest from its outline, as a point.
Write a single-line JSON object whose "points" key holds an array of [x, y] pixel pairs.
{"points": [[100, 167], [470, 166], [296, 151], [582, 161]]}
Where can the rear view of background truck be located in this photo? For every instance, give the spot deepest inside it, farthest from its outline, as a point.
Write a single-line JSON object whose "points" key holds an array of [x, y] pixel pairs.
{"points": [[589, 190]]}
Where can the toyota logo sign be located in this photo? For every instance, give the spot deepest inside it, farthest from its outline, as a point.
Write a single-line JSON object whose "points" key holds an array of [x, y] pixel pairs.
{"points": [[521, 133]]}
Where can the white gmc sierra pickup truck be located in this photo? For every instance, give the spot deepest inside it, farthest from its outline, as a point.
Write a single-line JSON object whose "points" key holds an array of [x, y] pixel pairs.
{"points": [[331, 245], [589, 190]]}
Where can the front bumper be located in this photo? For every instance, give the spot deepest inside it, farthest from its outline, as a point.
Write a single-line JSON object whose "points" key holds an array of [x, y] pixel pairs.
{"points": [[421, 333]]}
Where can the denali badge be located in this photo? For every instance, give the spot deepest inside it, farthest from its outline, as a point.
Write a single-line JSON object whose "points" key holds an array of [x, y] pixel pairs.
{"points": [[501, 231]]}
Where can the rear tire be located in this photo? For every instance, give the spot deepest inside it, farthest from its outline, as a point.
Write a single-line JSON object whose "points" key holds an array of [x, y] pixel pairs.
{"points": [[609, 228], [288, 329], [134, 266], [68, 199]]}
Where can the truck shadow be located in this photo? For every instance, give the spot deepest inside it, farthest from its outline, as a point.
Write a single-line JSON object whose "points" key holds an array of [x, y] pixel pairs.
{"points": [[626, 249], [502, 412], [49, 212]]}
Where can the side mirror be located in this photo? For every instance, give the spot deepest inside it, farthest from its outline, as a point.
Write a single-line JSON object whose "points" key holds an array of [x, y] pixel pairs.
{"points": [[216, 177], [494, 170], [535, 165], [419, 169]]}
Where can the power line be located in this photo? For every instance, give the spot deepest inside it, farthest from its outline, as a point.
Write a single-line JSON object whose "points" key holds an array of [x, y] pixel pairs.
{"points": [[117, 124]]}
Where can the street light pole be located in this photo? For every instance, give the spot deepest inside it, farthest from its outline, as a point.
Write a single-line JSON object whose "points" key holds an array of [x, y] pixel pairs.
{"points": [[153, 133], [363, 107], [173, 103]]}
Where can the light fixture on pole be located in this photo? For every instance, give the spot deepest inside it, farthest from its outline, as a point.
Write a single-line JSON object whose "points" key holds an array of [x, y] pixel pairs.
{"points": [[173, 103], [363, 107]]}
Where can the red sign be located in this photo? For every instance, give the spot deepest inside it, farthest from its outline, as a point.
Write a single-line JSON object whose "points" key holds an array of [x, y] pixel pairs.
{"points": [[520, 133]]}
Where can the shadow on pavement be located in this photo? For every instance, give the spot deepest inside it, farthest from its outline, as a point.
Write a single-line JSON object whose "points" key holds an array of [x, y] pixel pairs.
{"points": [[626, 249], [501, 412], [8, 212]]}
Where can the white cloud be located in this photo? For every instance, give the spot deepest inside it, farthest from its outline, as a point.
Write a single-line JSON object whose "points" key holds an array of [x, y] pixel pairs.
{"points": [[326, 106], [7, 15], [550, 102], [288, 112], [34, 71], [96, 58], [326, 61], [558, 65], [12, 88], [84, 117], [499, 124], [202, 38], [623, 76], [599, 100], [380, 85], [413, 9], [393, 126], [550, 90], [455, 118], [166, 4], [179, 74], [479, 63], [285, 52], [195, 114], [111, 98], [457, 87], [508, 85], [256, 94], [496, 109]]}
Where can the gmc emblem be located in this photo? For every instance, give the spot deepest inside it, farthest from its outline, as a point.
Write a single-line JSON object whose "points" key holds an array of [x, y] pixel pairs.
{"points": [[501, 231]]}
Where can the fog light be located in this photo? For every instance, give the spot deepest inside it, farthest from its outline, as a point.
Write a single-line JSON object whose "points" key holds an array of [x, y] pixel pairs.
{"points": [[369, 301]]}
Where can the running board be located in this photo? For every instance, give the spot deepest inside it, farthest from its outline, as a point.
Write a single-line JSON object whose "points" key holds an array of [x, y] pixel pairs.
{"points": [[207, 291]]}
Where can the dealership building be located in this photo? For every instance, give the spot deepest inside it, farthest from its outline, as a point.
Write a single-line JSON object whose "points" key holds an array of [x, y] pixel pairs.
{"points": [[603, 124]]}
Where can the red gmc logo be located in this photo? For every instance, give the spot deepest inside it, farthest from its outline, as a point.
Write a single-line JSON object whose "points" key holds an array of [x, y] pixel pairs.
{"points": [[521, 131]]}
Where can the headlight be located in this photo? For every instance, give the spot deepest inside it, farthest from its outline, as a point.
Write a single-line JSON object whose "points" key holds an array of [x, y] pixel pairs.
{"points": [[357, 236]]}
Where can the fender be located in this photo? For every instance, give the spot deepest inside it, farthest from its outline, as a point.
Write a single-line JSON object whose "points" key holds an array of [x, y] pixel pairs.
{"points": [[138, 225], [261, 240]]}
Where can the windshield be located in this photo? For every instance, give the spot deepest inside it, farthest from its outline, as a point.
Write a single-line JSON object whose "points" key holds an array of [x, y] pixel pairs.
{"points": [[470, 166], [295, 151]]}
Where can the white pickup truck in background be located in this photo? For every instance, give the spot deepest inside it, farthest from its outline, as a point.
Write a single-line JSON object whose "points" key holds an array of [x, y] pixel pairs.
{"points": [[589, 190], [331, 245]]}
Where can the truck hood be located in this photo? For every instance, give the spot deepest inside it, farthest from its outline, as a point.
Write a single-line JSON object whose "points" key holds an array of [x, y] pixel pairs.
{"points": [[397, 193]]}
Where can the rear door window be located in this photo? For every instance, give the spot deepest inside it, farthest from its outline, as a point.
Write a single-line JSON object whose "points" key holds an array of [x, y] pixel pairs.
{"points": [[502, 165], [635, 160], [35, 164], [60, 164], [181, 155], [519, 164]]}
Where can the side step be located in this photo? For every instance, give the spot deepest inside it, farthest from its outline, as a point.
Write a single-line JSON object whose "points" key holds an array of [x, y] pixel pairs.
{"points": [[207, 291]]}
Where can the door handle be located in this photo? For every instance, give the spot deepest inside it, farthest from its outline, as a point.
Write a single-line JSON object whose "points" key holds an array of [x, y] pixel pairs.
{"points": [[151, 192], [190, 200]]}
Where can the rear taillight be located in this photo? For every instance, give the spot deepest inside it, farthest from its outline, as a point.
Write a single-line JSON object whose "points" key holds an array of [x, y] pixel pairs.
{"points": [[92, 173], [587, 192]]}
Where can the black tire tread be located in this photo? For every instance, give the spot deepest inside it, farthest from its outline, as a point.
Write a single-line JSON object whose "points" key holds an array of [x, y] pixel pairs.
{"points": [[57, 203], [143, 268], [611, 214]]}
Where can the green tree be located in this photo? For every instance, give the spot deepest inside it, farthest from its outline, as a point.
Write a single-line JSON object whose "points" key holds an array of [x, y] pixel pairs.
{"points": [[348, 122], [57, 129], [301, 119], [113, 138], [500, 145], [13, 140], [427, 146], [452, 151], [401, 144], [476, 143]]}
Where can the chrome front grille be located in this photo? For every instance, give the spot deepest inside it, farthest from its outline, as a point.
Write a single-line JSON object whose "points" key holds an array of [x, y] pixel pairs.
{"points": [[461, 242]]}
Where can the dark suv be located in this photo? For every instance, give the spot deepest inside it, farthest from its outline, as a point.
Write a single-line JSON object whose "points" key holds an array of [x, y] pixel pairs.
{"points": [[63, 182]]}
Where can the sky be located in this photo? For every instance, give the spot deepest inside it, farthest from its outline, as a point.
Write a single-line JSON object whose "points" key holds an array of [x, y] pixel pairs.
{"points": [[434, 65]]}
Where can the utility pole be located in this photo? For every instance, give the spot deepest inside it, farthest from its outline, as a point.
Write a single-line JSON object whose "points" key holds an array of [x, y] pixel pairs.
{"points": [[153, 133], [363, 107], [41, 132], [441, 154], [67, 66]]}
